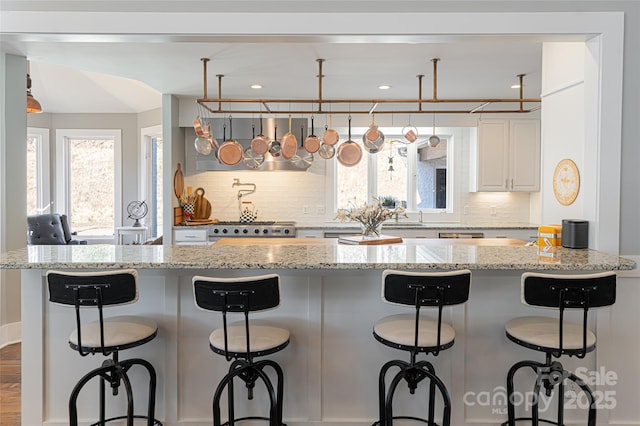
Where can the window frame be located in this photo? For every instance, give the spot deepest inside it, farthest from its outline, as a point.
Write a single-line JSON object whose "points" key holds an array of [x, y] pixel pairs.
{"points": [[62, 174], [43, 168], [145, 168], [455, 136]]}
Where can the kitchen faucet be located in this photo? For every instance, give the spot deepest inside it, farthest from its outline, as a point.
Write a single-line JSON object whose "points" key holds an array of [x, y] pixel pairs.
{"points": [[243, 192]]}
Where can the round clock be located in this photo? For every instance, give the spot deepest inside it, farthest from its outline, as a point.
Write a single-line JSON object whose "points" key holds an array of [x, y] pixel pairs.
{"points": [[566, 182]]}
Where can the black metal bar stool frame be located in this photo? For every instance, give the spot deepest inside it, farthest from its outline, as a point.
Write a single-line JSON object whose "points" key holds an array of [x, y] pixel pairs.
{"points": [[243, 295], [561, 292], [432, 289], [98, 290]]}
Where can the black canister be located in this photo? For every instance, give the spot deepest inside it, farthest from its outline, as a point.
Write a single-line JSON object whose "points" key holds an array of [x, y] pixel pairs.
{"points": [[575, 233]]}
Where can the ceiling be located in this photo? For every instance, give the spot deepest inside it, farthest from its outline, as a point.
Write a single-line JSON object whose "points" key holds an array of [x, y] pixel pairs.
{"points": [[113, 77]]}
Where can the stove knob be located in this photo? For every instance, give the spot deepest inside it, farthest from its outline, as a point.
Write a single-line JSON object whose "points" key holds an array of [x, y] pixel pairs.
{"points": [[245, 231], [235, 231], [286, 231], [215, 231], [224, 231], [256, 231], [266, 231]]}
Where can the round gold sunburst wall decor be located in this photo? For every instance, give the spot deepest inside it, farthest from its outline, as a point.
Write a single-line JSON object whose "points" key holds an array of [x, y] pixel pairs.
{"points": [[566, 182]]}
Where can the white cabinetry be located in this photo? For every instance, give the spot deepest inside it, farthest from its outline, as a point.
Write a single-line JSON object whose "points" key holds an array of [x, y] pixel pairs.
{"points": [[507, 156], [190, 236]]}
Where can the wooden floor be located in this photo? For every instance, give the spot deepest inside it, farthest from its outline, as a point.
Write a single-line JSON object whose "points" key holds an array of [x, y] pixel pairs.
{"points": [[10, 385]]}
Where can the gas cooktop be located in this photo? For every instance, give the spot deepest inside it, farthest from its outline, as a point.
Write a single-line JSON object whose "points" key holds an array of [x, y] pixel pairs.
{"points": [[260, 223]]}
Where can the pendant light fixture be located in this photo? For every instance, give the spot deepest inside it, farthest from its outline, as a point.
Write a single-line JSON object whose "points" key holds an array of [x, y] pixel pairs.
{"points": [[32, 104], [434, 140]]}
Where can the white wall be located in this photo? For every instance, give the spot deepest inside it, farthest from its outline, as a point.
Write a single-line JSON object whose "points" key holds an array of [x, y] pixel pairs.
{"points": [[562, 96], [13, 198]]}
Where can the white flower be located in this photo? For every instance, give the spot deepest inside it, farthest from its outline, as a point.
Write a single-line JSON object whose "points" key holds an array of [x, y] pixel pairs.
{"points": [[369, 215]]}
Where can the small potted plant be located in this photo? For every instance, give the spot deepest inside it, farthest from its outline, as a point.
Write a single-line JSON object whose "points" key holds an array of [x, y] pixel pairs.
{"points": [[388, 201]]}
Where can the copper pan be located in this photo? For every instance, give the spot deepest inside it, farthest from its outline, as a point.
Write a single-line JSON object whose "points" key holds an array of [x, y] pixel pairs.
{"points": [[349, 152], [289, 143], [230, 152], [197, 126], [260, 143], [312, 142], [303, 158], [330, 136]]}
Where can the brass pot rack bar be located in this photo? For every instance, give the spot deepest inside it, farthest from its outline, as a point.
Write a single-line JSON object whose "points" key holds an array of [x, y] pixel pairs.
{"points": [[480, 104]]}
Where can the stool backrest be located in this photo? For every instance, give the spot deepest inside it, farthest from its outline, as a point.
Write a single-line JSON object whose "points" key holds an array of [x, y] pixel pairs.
{"points": [[431, 289], [82, 288], [245, 294], [573, 292], [437, 288], [569, 291], [237, 294], [92, 289]]}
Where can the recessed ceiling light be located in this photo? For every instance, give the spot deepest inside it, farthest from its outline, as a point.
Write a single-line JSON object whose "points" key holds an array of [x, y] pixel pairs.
{"points": [[384, 87], [256, 86], [515, 86]]}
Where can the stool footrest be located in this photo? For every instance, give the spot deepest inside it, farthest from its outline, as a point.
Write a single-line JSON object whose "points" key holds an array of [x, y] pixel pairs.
{"points": [[417, 419], [522, 419], [250, 418], [156, 422]]}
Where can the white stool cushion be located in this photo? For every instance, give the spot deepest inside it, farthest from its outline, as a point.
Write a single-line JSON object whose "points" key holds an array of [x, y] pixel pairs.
{"points": [[400, 329], [543, 331], [118, 331], [263, 337]]}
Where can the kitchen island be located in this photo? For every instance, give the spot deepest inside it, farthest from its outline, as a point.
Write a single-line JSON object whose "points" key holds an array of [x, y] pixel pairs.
{"points": [[330, 300]]}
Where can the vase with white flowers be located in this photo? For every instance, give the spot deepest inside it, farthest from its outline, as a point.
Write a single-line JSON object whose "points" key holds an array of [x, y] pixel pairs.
{"points": [[370, 216]]}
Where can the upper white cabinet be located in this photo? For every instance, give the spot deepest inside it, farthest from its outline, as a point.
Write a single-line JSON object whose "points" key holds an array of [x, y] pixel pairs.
{"points": [[507, 156]]}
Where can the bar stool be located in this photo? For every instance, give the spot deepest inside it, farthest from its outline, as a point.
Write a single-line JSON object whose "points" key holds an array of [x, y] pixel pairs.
{"points": [[416, 334], [244, 340], [555, 336], [106, 336]]}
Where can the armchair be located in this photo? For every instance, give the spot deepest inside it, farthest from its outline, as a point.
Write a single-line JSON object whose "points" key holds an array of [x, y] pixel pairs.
{"points": [[49, 229]]}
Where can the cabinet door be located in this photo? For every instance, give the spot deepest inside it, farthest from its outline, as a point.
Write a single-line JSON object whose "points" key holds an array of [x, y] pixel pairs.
{"points": [[524, 168], [493, 155]]}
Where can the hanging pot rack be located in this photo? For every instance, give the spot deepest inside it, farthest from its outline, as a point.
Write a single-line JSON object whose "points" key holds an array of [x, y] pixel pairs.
{"points": [[216, 105]]}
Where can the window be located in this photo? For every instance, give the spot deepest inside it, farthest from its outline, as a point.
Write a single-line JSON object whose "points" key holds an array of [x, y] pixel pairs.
{"points": [[38, 186], [151, 178], [88, 180], [416, 176]]}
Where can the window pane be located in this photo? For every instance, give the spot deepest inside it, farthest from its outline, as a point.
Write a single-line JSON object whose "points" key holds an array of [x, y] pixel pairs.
{"points": [[32, 176], [92, 186], [432, 176], [351, 183], [392, 175]]}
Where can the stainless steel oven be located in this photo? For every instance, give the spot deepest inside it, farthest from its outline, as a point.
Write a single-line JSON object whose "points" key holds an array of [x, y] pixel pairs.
{"points": [[252, 229]]}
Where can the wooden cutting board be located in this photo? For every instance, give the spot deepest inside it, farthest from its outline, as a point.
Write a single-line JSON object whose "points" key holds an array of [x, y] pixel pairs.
{"points": [[202, 206], [178, 182], [360, 240], [200, 222]]}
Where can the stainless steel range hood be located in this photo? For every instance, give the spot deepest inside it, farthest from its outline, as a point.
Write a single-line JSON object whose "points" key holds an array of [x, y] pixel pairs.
{"points": [[243, 131]]}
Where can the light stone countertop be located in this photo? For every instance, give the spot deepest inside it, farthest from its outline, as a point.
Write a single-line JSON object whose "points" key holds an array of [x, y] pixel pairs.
{"points": [[411, 254], [408, 224]]}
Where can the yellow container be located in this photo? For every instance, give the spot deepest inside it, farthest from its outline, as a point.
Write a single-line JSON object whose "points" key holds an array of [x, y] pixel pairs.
{"points": [[550, 235], [549, 254]]}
